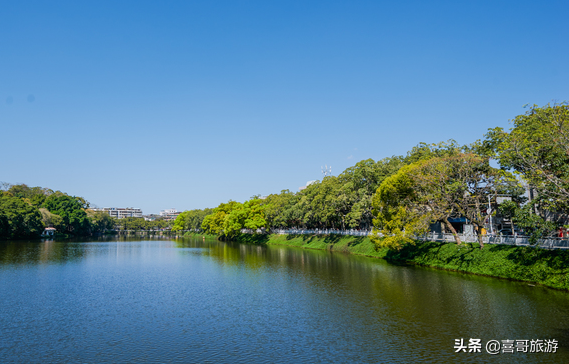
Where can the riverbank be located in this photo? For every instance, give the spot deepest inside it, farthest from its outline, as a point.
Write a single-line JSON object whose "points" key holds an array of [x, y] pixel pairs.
{"points": [[189, 234], [549, 268]]}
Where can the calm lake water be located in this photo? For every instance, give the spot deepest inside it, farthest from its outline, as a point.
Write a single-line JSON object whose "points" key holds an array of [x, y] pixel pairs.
{"points": [[194, 301]]}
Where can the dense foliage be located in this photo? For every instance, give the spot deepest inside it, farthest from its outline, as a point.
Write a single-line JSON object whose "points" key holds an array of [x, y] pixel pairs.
{"points": [[399, 196], [25, 212], [230, 218], [71, 211], [190, 220], [137, 223], [18, 219], [434, 190], [402, 196], [537, 147]]}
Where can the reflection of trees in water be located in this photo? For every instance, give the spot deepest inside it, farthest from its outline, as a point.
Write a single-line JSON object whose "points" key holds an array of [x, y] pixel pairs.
{"points": [[46, 251], [409, 299], [19, 252]]}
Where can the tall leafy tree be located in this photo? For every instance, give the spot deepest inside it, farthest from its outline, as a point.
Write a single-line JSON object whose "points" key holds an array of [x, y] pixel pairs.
{"points": [[276, 206], [191, 220], [214, 222], [18, 219], [537, 147], [399, 214], [70, 209], [358, 184], [100, 221], [229, 218], [435, 190]]}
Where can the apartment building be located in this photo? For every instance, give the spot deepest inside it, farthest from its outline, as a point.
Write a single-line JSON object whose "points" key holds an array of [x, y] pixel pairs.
{"points": [[169, 214], [120, 212]]}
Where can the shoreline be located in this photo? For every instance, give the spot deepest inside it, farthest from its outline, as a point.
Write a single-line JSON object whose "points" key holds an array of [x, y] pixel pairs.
{"points": [[549, 268]]}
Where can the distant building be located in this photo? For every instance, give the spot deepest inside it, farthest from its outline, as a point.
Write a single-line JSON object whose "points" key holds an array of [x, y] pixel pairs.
{"points": [[307, 184], [121, 213], [151, 217], [169, 214]]}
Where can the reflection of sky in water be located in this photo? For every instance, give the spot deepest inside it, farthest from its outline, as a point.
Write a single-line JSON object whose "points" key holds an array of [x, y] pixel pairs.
{"points": [[192, 301]]}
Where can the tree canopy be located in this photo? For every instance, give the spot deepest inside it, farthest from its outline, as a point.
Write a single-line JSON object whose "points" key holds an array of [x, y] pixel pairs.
{"points": [[434, 190], [537, 148], [18, 219], [228, 219], [70, 209]]}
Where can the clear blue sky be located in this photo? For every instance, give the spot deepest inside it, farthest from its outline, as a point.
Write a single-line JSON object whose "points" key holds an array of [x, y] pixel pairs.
{"points": [[186, 104]]}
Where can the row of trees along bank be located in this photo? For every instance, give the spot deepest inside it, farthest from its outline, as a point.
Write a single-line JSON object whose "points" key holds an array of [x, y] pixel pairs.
{"points": [[401, 196], [26, 211]]}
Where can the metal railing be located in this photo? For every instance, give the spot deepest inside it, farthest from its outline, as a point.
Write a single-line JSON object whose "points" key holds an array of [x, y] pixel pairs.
{"points": [[518, 240], [322, 232]]}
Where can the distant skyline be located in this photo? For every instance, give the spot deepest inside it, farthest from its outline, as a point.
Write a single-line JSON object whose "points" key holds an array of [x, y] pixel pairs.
{"points": [[185, 105]]}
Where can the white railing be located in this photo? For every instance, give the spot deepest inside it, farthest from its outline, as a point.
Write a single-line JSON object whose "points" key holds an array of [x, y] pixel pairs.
{"points": [[351, 232], [519, 240]]}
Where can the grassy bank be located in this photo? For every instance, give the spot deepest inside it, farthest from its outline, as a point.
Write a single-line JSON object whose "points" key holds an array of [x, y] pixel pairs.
{"points": [[545, 267], [189, 234]]}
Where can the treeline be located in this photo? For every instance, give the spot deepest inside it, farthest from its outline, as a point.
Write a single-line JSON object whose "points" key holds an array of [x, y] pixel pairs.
{"points": [[26, 211], [138, 223], [336, 202], [401, 196]]}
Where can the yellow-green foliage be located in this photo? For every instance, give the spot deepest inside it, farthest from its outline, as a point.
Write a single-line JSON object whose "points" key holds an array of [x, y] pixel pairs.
{"points": [[395, 217], [431, 190], [229, 218]]}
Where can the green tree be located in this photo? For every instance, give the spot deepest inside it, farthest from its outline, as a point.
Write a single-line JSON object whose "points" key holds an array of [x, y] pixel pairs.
{"points": [[32, 195], [180, 222], [435, 190], [228, 219], [358, 184], [276, 206], [100, 221], [213, 223], [537, 147], [49, 219], [191, 220], [132, 223], [70, 209], [424, 151], [398, 214], [18, 219], [523, 217], [196, 217], [255, 215]]}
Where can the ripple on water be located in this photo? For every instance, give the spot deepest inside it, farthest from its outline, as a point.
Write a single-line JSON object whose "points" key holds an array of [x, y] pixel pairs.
{"points": [[194, 301]]}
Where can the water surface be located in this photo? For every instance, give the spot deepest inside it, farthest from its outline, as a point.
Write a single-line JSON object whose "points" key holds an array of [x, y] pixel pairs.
{"points": [[187, 301]]}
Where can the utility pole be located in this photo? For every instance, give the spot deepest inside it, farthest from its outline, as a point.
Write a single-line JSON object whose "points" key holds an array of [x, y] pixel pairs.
{"points": [[326, 170]]}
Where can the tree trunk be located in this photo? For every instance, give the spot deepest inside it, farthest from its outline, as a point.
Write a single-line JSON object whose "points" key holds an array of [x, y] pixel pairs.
{"points": [[453, 231], [478, 224], [479, 233]]}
